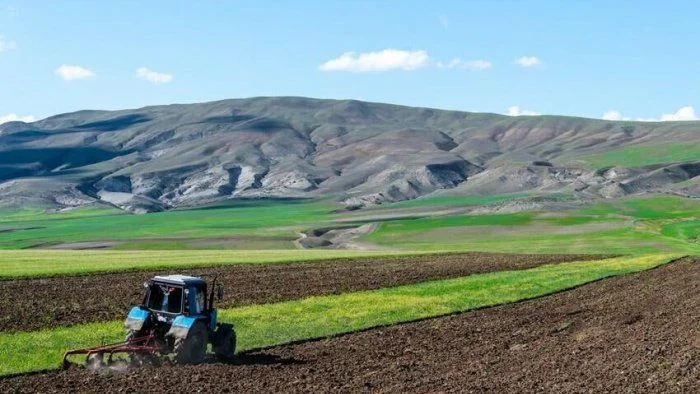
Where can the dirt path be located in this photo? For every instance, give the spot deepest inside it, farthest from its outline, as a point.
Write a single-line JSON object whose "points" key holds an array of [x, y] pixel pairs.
{"points": [[31, 304], [636, 333], [338, 238]]}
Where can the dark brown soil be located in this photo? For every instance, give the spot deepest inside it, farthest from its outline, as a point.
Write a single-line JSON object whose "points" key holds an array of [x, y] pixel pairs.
{"points": [[635, 333], [30, 304]]}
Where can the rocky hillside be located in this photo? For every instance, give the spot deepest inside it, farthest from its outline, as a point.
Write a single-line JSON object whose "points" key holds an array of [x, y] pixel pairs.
{"points": [[359, 153]]}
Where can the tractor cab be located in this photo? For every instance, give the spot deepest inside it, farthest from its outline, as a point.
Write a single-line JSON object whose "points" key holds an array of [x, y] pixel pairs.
{"points": [[175, 295]]}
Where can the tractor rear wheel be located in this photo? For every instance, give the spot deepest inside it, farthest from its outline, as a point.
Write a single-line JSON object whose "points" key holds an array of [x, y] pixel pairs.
{"points": [[224, 342], [193, 348]]}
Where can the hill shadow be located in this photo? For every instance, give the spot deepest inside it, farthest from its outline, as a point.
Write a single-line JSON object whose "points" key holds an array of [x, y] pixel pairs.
{"points": [[118, 123]]}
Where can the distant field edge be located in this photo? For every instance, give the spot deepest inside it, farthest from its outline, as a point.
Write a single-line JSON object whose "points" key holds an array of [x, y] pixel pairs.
{"points": [[26, 264], [19, 264], [318, 317]]}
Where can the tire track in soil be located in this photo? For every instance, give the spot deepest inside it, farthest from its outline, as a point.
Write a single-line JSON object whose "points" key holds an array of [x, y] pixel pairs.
{"points": [[32, 304], [632, 333]]}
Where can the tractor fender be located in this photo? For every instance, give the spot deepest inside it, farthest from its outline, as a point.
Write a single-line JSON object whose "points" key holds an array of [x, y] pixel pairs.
{"points": [[181, 326], [136, 319]]}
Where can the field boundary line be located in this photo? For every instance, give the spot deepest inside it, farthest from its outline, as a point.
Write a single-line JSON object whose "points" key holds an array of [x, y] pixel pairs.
{"points": [[312, 260]]}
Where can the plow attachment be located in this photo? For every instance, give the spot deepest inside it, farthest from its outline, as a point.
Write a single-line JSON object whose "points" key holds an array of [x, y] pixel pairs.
{"points": [[133, 351]]}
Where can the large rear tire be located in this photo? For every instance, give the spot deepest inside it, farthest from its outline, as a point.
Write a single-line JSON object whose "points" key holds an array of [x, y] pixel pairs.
{"points": [[224, 342], [193, 348]]}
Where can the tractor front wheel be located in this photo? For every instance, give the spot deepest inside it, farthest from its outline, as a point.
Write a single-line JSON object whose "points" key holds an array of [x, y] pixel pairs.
{"points": [[193, 348]]}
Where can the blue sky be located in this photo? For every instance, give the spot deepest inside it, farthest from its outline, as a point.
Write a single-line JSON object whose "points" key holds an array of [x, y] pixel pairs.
{"points": [[629, 59]]}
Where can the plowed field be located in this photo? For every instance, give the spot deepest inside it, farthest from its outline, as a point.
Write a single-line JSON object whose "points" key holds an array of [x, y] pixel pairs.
{"points": [[30, 304], [634, 333]]}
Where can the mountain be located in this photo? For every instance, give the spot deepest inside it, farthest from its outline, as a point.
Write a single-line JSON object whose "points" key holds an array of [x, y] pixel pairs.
{"points": [[359, 153]]}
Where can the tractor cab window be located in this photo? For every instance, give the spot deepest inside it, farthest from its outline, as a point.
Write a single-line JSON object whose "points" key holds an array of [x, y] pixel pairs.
{"points": [[165, 298], [195, 300]]}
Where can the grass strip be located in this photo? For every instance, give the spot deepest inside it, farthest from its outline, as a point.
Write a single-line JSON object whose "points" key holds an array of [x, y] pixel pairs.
{"points": [[316, 317], [41, 263]]}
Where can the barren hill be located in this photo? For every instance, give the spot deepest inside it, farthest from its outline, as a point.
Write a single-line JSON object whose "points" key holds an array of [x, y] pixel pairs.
{"points": [[359, 153]]}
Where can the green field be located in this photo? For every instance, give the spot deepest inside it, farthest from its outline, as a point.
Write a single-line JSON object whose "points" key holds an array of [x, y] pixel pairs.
{"points": [[261, 218], [644, 155], [451, 201], [630, 225], [688, 230], [37, 263], [36, 214], [625, 226], [315, 317]]}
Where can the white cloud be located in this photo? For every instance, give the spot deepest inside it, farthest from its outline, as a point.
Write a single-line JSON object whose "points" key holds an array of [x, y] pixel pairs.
{"points": [[16, 118], [466, 64], [683, 113], [71, 73], [6, 45], [394, 59], [153, 76], [386, 60], [517, 111], [613, 115], [528, 61]]}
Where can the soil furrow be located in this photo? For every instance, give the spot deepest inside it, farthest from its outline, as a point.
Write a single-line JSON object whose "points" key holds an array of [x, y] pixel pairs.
{"points": [[31, 304], [633, 333]]}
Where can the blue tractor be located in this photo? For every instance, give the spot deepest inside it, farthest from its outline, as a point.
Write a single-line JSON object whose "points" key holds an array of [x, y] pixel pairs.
{"points": [[177, 321]]}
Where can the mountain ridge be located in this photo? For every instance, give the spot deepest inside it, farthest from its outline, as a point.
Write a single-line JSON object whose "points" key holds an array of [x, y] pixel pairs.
{"points": [[360, 153]]}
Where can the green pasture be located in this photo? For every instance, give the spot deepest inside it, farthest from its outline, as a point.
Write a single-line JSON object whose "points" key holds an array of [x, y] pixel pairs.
{"points": [[237, 224], [452, 201], [655, 223], [688, 230], [625, 226], [317, 317], [247, 218], [30, 214], [643, 155], [38, 263]]}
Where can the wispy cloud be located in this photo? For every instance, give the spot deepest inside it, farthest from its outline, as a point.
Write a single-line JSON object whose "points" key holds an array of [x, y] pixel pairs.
{"points": [[682, 114], [444, 21], [466, 64], [528, 61], [153, 76], [10, 11], [16, 118], [72, 73], [6, 45], [612, 115], [386, 60], [517, 111]]}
